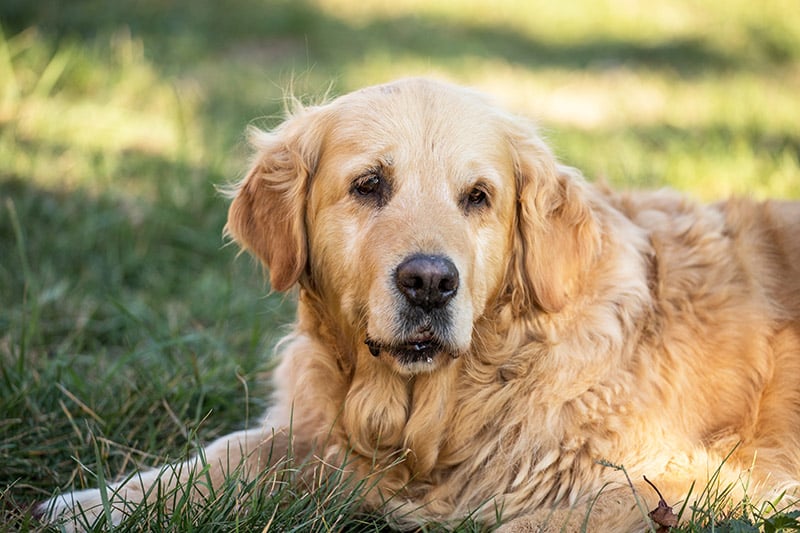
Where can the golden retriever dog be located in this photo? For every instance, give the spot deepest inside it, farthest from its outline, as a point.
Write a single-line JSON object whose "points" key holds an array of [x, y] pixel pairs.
{"points": [[480, 330]]}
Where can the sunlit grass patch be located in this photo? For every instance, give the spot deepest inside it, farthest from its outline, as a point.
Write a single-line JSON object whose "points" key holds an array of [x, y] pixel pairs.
{"points": [[74, 115]]}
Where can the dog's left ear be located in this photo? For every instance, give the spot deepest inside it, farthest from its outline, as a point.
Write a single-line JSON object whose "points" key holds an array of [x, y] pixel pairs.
{"points": [[267, 215], [558, 237]]}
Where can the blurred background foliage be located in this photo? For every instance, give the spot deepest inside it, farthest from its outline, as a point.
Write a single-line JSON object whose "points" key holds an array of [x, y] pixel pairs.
{"points": [[125, 321]]}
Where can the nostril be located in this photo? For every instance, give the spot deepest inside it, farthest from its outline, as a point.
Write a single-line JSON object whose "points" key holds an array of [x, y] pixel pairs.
{"points": [[449, 283], [411, 280], [427, 281]]}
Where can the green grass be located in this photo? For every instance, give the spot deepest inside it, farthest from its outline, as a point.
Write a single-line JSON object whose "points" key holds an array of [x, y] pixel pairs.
{"points": [[129, 332]]}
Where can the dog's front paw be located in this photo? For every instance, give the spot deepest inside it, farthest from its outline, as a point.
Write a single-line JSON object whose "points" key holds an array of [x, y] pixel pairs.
{"points": [[79, 510]]}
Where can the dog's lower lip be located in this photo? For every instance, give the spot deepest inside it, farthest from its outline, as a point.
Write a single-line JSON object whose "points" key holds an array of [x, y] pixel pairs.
{"points": [[418, 346], [411, 350]]}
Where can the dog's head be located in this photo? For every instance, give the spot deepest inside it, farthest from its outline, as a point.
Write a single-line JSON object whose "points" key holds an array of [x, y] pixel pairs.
{"points": [[411, 209]]}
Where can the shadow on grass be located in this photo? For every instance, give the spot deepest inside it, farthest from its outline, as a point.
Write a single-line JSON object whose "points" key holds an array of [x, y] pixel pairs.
{"points": [[161, 245], [122, 316]]}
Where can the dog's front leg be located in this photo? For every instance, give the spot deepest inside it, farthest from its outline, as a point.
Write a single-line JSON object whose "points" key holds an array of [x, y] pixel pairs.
{"points": [[244, 454]]}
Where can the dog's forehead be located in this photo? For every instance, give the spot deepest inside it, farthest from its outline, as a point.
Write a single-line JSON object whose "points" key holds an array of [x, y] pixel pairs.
{"points": [[417, 116]]}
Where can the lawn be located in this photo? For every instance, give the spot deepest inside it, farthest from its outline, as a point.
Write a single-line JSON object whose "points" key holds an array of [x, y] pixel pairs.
{"points": [[129, 331]]}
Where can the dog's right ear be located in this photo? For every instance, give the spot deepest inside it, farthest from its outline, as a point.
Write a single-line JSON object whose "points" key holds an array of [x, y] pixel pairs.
{"points": [[267, 214]]}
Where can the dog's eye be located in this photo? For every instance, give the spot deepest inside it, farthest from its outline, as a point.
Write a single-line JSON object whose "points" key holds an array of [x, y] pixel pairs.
{"points": [[476, 198], [371, 189], [368, 185]]}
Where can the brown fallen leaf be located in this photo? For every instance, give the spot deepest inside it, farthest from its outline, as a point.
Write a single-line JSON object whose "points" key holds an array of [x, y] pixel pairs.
{"points": [[662, 515]]}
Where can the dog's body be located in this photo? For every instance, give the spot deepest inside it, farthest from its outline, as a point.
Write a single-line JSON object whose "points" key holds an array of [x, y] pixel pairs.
{"points": [[482, 327]]}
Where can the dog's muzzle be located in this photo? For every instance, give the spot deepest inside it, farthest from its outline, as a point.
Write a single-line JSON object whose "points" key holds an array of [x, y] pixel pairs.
{"points": [[427, 284]]}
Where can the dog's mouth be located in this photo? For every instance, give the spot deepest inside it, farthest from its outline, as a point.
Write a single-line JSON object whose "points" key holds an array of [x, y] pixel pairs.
{"points": [[419, 348]]}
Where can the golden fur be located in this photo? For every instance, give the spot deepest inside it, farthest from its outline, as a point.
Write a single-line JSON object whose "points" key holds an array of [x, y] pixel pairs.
{"points": [[642, 329]]}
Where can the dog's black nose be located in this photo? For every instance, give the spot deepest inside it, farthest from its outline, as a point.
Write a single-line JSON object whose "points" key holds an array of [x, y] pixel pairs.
{"points": [[427, 281]]}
